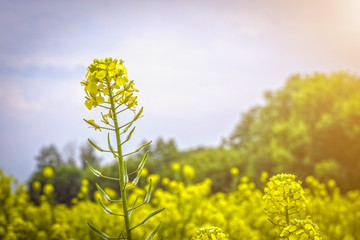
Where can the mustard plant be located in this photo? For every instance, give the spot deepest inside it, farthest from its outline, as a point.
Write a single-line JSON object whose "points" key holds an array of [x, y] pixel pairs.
{"points": [[107, 86], [285, 205]]}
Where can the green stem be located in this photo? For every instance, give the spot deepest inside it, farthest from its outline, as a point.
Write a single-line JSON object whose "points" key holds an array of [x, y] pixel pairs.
{"points": [[287, 216], [121, 166]]}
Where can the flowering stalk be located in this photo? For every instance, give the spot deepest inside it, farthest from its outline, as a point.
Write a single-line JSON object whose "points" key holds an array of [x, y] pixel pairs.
{"points": [[106, 85], [285, 202]]}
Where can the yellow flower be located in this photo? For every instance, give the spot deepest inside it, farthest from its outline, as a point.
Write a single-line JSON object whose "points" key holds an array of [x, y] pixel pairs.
{"points": [[210, 233], [301, 229], [188, 171], [165, 181], [48, 189], [175, 167], [36, 185], [331, 183], [84, 182], [144, 172], [244, 179], [234, 171], [108, 78], [155, 178], [48, 172], [84, 189], [264, 176], [74, 201]]}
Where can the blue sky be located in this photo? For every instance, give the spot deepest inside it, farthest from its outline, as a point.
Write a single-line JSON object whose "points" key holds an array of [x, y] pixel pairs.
{"points": [[198, 64]]}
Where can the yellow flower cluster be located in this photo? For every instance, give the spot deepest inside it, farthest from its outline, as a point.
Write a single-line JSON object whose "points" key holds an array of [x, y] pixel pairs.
{"points": [[284, 197], [188, 208], [210, 233], [301, 230], [106, 79]]}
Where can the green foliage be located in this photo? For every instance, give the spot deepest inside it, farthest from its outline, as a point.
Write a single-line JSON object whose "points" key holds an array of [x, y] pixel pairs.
{"points": [[310, 126], [66, 181], [214, 163]]}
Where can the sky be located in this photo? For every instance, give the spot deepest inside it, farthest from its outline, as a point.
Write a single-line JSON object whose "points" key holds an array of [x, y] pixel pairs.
{"points": [[198, 64]]}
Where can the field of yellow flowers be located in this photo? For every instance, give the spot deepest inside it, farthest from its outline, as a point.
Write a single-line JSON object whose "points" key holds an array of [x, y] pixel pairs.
{"points": [[245, 213]]}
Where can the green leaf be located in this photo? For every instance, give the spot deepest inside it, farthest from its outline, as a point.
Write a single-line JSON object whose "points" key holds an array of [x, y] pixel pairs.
{"points": [[151, 215], [143, 161], [153, 232], [137, 116], [96, 146], [127, 127], [110, 147], [129, 135], [103, 193], [93, 170], [148, 217], [136, 180], [148, 193], [124, 171], [133, 205], [98, 231], [137, 150], [106, 209]]}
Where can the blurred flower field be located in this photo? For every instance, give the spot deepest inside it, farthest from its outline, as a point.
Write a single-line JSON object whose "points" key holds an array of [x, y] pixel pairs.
{"points": [[240, 214]]}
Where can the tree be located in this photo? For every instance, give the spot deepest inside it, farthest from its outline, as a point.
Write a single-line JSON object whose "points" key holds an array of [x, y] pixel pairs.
{"points": [[49, 156], [311, 123], [166, 151], [87, 153], [69, 153]]}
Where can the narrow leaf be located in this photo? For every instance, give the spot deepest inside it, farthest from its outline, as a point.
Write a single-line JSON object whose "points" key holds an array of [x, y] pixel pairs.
{"points": [[143, 161], [133, 205], [96, 146], [111, 148], [103, 193], [136, 180], [106, 209], [148, 217], [138, 114], [153, 232], [151, 215], [127, 127], [98, 231], [148, 193], [93, 170], [129, 135], [137, 150]]}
